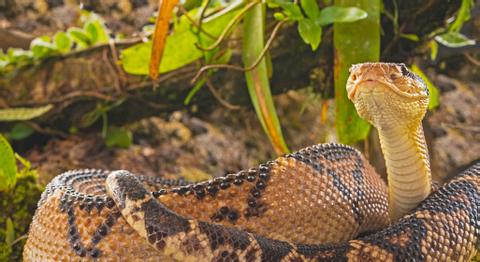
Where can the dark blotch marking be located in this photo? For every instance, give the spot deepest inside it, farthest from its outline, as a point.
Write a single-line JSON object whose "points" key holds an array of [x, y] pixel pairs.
{"points": [[191, 245], [324, 252], [347, 193], [159, 219], [212, 189], [129, 187], [218, 235], [273, 250]]}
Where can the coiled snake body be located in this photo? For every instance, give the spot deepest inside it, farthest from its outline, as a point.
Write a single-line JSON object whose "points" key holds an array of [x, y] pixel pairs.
{"points": [[303, 206]]}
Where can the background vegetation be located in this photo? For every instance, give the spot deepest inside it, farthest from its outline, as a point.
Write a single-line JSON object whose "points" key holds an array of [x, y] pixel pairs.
{"points": [[186, 79]]}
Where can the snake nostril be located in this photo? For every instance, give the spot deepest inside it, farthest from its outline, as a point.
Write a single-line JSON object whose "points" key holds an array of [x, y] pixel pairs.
{"points": [[354, 77]]}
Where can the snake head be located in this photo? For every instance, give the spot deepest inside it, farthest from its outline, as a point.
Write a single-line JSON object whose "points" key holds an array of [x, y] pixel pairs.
{"points": [[387, 94]]}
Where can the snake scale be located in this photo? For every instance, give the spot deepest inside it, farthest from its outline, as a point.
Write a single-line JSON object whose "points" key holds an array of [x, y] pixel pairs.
{"points": [[322, 203]]}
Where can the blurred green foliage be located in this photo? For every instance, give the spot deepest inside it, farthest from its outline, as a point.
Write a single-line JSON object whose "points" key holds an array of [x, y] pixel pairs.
{"points": [[200, 33], [434, 100], [453, 38], [257, 79], [8, 166], [92, 33], [181, 46], [18, 201], [353, 44]]}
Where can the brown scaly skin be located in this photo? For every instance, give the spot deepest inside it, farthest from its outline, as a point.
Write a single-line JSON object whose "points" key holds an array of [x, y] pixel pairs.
{"points": [[352, 200], [322, 194], [445, 227]]}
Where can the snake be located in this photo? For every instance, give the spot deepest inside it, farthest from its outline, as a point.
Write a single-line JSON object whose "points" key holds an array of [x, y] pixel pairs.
{"points": [[321, 203]]}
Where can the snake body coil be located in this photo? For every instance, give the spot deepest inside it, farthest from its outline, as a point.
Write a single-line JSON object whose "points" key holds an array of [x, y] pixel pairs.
{"points": [[305, 206]]}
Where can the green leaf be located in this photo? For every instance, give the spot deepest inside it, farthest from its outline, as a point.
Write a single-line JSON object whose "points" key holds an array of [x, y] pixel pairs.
{"points": [[23, 113], [79, 36], [9, 232], [62, 42], [354, 43], [292, 10], [180, 46], [257, 79], [432, 89], [340, 14], [8, 166], [16, 55], [96, 32], [42, 47], [311, 8], [310, 32], [118, 137], [20, 131], [279, 16], [454, 40]]}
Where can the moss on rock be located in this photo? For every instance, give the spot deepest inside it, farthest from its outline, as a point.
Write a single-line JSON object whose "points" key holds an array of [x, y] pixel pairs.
{"points": [[19, 205]]}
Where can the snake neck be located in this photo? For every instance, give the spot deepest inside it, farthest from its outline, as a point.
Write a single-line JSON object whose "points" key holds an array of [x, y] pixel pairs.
{"points": [[408, 168]]}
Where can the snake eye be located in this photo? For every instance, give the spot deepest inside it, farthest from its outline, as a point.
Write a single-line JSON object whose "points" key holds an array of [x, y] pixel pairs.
{"points": [[354, 77], [393, 76]]}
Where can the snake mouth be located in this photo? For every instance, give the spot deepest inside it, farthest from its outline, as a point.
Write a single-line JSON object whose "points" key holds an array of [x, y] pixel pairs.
{"points": [[360, 85]]}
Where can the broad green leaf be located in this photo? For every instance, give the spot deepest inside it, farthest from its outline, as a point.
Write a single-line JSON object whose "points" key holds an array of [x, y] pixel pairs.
{"points": [[311, 8], [92, 32], [16, 55], [432, 89], [8, 166], [354, 43], [42, 47], [118, 137], [341, 14], [310, 32], [20, 131], [9, 232], [454, 40], [180, 47], [62, 42], [23, 113], [257, 79], [96, 31], [79, 36]]}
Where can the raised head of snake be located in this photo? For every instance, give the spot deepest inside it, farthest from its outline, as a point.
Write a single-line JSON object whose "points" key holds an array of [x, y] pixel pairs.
{"points": [[394, 100]]}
